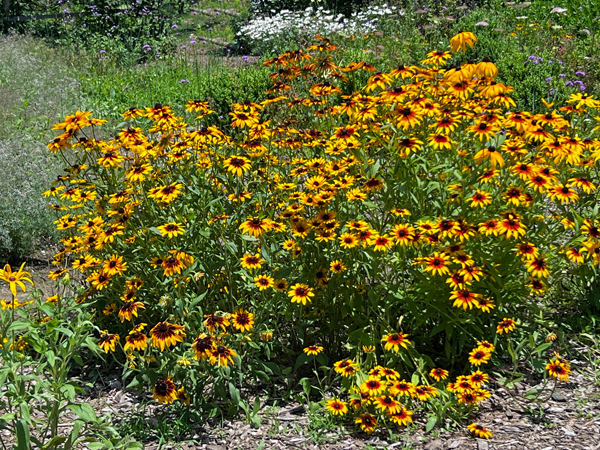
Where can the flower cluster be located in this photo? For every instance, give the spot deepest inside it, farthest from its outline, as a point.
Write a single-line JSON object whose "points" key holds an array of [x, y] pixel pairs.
{"points": [[421, 203], [313, 21]]}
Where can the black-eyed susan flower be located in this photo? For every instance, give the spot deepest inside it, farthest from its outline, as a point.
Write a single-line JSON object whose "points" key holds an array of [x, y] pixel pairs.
{"points": [[478, 378], [164, 391], [252, 261], [438, 374], [387, 404], [263, 282], [538, 267], [165, 334], [202, 346], [367, 423], [214, 321], [136, 340], [171, 229], [313, 350], [462, 40], [336, 407], [348, 240], [237, 165], [401, 388], [300, 293], [256, 226], [242, 320], [108, 341], [402, 416], [393, 341], [506, 325], [464, 298], [345, 367], [221, 355], [480, 199], [484, 304], [280, 285], [15, 279], [479, 431], [129, 309], [559, 369], [479, 356], [436, 264]]}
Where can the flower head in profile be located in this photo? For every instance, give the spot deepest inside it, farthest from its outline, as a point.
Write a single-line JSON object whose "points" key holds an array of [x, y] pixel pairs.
{"points": [[462, 40], [313, 350], [479, 431]]}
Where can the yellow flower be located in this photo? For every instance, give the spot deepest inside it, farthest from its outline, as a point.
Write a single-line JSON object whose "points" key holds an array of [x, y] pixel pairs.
{"points": [[171, 229], [15, 279], [463, 39]]}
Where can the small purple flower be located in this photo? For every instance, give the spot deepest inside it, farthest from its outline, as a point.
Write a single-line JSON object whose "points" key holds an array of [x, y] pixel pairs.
{"points": [[146, 47], [550, 62], [560, 62], [569, 83], [192, 42], [582, 87], [183, 47], [578, 82], [532, 57], [580, 73], [102, 51], [245, 58], [548, 80], [562, 75], [174, 26], [552, 92], [184, 81]]}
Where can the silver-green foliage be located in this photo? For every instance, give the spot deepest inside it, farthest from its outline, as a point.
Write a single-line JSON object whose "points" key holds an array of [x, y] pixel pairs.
{"points": [[35, 91]]}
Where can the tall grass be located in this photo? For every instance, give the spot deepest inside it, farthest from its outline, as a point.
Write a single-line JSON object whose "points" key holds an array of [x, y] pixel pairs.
{"points": [[35, 90]]}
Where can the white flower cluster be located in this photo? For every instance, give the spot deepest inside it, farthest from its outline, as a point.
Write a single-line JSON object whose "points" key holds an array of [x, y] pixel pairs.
{"points": [[313, 21]]}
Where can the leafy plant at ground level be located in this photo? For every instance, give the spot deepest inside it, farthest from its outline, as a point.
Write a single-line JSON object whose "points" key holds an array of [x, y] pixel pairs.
{"points": [[40, 340]]}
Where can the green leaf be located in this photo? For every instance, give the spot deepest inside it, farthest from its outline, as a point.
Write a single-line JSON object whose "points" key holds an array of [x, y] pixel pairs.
{"points": [[430, 424], [540, 348], [22, 435], [84, 412], [17, 325], [256, 407], [234, 393], [25, 412], [55, 441], [255, 421]]}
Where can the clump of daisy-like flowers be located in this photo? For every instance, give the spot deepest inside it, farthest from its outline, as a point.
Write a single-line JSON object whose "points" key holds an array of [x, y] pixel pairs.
{"points": [[408, 223]]}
